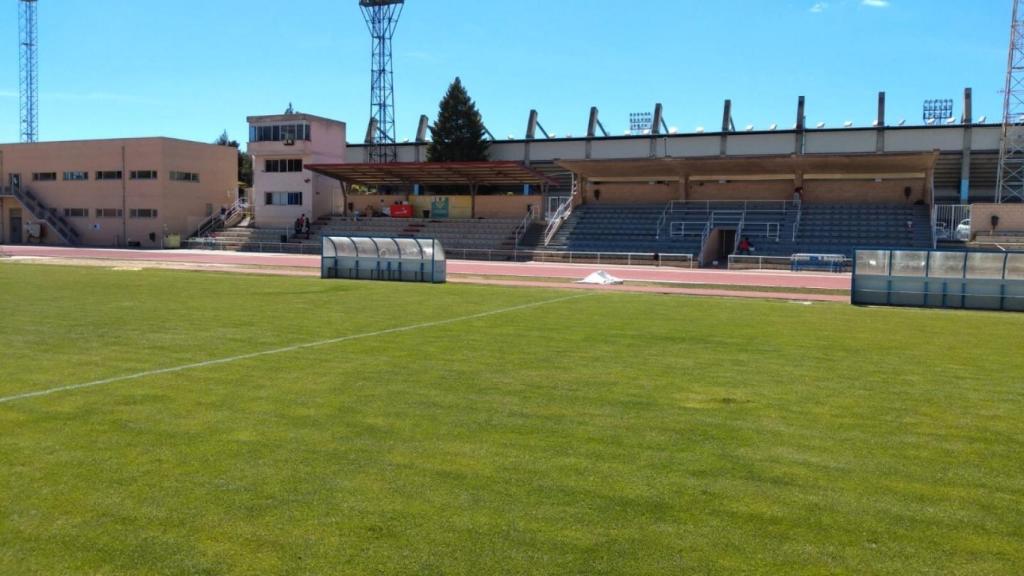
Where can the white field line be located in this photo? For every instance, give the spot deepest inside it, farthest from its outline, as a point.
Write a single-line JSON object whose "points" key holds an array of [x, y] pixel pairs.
{"points": [[286, 349]]}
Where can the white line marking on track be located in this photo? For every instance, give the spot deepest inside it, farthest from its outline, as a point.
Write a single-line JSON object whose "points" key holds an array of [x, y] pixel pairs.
{"points": [[293, 348]]}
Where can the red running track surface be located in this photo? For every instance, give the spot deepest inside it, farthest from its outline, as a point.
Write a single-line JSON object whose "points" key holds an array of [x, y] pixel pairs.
{"points": [[776, 279]]}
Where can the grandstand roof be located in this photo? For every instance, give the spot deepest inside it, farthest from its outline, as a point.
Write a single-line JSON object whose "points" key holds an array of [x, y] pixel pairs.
{"points": [[915, 165], [432, 173]]}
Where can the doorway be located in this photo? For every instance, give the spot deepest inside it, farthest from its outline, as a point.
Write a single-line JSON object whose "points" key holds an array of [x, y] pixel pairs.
{"points": [[15, 222], [726, 245]]}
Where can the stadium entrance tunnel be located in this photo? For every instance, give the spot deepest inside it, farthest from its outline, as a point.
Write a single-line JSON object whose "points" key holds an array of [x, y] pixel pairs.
{"points": [[391, 259]]}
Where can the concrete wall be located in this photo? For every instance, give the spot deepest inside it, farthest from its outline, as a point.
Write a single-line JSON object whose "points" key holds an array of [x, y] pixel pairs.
{"points": [[180, 205], [490, 206], [862, 191], [1011, 217], [768, 190], [615, 193]]}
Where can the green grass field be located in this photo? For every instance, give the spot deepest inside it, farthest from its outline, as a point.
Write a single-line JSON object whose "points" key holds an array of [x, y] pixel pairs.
{"points": [[605, 434]]}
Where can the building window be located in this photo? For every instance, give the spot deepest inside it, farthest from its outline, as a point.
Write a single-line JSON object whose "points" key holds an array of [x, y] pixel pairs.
{"points": [[44, 176], [283, 198], [184, 176], [76, 175], [143, 213], [76, 212], [108, 175], [109, 213], [293, 165], [143, 174], [280, 133]]}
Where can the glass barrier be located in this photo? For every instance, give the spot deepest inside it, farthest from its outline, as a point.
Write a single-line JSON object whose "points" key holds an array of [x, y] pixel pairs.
{"points": [[985, 265], [1015, 266], [873, 262], [909, 263], [946, 265]]}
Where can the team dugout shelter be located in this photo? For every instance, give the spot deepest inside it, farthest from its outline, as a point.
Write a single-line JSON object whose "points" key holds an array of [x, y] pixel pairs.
{"points": [[471, 176]]}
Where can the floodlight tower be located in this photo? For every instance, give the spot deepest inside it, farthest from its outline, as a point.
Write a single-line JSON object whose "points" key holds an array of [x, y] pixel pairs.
{"points": [[1010, 183], [28, 77], [382, 19]]}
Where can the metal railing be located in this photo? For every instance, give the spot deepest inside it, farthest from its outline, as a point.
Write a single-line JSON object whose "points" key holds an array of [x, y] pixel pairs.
{"points": [[485, 255], [799, 217], [744, 262], [523, 227], [561, 215], [687, 229], [239, 210], [782, 206], [567, 257]]}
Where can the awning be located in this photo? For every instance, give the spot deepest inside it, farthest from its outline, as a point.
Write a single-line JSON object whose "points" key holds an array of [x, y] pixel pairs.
{"points": [[432, 173], [811, 166]]}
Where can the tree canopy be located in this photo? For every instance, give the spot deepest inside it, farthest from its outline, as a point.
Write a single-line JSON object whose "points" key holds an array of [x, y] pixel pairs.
{"points": [[459, 133], [244, 160]]}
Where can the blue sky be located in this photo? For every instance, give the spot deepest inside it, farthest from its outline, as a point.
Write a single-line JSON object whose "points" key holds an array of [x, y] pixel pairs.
{"points": [[191, 68]]}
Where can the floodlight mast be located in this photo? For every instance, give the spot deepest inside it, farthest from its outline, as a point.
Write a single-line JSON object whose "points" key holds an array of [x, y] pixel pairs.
{"points": [[382, 19], [1010, 182], [28, 68]]}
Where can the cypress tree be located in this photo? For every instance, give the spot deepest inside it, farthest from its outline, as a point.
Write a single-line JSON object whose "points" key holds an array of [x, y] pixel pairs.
{"points": [[458, 134]]}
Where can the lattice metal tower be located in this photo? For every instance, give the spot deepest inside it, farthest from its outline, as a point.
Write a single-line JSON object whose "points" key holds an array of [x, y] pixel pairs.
{"points": [[382, 19], [28, 78], [1010, 183]]}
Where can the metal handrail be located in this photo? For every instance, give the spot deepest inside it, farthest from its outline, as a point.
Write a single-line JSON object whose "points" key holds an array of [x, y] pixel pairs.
{"points": [[561, 215], [739, 233], [523, 227], [240, 206], [661, 221], [799, 216]]}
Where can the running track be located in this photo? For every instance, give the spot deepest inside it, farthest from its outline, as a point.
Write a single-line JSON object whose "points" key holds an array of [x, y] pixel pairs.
{"points": [[774, 279]]}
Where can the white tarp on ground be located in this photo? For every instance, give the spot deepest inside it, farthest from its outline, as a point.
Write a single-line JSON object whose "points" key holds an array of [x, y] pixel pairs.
{"points": [[600, 277]]}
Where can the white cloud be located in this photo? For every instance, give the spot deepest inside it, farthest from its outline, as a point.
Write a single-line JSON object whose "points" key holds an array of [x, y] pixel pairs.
{"points": [[819, 7], [875, 3]]}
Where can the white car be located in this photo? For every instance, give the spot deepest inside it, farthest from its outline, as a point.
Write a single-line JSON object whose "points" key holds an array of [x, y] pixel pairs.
{"points": [[963, 231]]}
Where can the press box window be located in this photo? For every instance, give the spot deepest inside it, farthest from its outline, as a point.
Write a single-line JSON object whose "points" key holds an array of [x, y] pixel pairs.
{"points": [[76, 175], [283, 198], [143, 213], [76, 212], [44, 176], [109, 175], [143, 174], [283, 165], [108, 212]]}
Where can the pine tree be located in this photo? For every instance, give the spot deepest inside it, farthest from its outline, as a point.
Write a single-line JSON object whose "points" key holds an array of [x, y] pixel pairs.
{"points": [[458, 134]]}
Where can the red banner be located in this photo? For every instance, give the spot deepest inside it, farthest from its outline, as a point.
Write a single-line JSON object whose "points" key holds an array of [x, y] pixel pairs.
{"points": [[402, 211]]}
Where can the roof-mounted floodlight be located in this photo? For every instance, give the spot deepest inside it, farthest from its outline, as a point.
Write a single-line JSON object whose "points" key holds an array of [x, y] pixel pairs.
{"points": [[902, 122], [930, 121], [874, 123], [673, 130], [848, 124], [699, 130], [773, 126], [511, 137], [982, 119], [821, 125], [568, 136], [750, 128], [951, 120]]}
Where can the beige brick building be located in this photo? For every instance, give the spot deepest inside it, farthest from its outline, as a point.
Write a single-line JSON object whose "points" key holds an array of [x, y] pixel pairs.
{"points": [[123, 192]]}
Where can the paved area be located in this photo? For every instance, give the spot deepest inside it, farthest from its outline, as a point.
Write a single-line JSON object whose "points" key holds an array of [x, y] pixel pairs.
{"points": [[461, 270]]}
